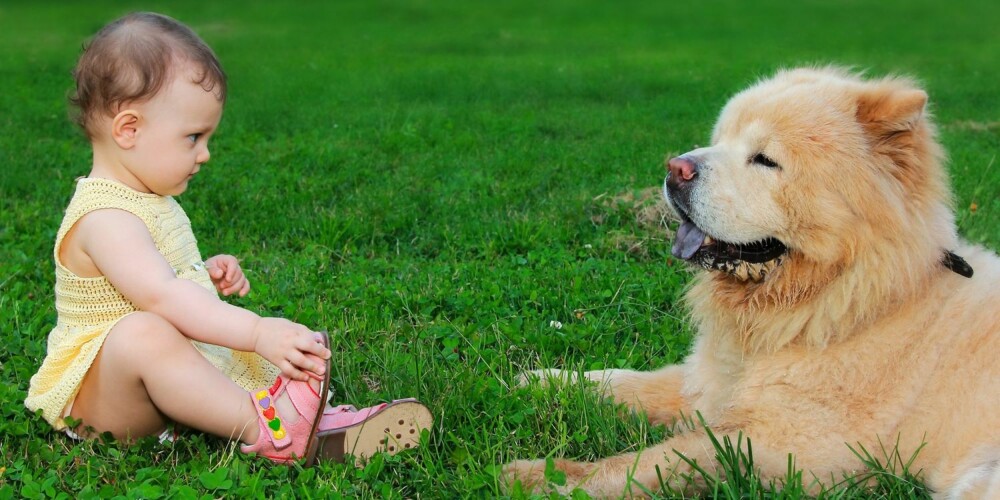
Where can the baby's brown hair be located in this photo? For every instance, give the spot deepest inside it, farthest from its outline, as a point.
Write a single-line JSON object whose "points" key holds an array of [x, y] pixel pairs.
{"points": [[130, 60]]}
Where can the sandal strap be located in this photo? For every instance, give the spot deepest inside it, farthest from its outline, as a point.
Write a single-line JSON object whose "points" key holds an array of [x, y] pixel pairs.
{"points": [[271, 423], [333, 420], [330, 410], [304, 399]]}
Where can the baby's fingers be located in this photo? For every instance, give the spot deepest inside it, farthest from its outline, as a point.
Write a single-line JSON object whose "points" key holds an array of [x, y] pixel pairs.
{"points": [[308, 363], [292, 372], [316, 360], [316, 348], [233, 271], [215, 273], [233, 287]]}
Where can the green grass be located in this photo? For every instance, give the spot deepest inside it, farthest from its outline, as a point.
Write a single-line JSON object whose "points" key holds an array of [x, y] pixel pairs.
{"points": [[425, 178]]}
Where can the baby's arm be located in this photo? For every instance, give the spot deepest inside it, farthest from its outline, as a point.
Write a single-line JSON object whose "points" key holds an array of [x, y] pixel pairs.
{"points": [[122, 249]]}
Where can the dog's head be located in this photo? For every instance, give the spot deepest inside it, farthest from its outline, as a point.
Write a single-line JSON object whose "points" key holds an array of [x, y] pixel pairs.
{"points": [[812, 168]]}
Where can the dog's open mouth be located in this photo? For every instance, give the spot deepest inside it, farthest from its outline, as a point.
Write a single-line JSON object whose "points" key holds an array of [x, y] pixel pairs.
{"points": [[744, 261]]}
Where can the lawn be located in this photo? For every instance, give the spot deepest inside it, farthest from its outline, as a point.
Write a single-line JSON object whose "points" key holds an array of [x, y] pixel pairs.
{"points": [[438, 183]]}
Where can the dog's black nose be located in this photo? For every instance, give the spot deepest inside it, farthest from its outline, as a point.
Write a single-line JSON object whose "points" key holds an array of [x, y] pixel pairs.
{"points": [[682, 170]]}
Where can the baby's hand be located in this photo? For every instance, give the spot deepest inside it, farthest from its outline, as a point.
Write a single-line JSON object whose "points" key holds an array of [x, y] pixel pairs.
{"points": [[291, 347], [227, 275]]}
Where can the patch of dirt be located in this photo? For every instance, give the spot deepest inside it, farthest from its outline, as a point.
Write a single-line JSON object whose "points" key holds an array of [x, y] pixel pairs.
{"points": [[652, 218], [650, 209], [974, 125], [373, 384]]}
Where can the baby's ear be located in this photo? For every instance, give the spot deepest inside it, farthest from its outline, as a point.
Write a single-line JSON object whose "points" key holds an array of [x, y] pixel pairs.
{"points": [[125, 127]]}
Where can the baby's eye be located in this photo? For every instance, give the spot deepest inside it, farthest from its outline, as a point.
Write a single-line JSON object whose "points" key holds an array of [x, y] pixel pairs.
{"points": [[194, 137]]}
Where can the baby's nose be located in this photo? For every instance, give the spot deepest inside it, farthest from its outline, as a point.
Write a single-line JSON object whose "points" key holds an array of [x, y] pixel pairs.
{"points": [[204, 156]]}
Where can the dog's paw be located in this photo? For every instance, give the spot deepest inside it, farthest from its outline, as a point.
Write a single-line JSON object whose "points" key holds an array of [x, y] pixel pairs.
{"points": [[548, 376], [562, 477], [530, 473]]}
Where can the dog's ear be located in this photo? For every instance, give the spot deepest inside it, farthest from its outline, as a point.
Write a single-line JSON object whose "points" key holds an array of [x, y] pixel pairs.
{"points": [[888, 109], [892, 112]]}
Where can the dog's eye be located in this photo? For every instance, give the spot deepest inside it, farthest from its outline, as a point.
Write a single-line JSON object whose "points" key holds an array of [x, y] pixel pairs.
{"points": [[762, 159]]}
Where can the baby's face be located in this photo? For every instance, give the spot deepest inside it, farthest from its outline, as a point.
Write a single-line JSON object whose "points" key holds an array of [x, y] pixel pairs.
{"points": [[172, 139]]}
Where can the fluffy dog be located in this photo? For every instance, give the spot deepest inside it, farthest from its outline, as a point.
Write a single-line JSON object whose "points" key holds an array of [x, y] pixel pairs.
{"points": [[836, 306]]}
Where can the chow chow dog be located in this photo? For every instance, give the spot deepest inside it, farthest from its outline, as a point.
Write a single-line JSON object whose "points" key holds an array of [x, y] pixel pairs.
{"points": [[835, 306]]}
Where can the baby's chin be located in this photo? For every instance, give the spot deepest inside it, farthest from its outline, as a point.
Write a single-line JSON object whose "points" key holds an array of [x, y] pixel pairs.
{"points": [[176, 190]]}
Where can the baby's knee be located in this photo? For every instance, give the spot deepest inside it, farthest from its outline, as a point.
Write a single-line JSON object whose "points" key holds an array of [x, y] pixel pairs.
{"points": [[141, 332]]}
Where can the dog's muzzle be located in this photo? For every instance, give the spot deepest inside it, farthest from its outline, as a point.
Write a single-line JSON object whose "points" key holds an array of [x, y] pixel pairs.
{"points": [[746, 261]]}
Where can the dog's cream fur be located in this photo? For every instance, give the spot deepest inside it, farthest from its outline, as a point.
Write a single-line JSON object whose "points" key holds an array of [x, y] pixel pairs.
{"points": [[861, 336]]}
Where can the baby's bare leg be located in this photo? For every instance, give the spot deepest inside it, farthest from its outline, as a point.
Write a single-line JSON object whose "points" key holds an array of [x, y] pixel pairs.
{"points": [[147, 373]]}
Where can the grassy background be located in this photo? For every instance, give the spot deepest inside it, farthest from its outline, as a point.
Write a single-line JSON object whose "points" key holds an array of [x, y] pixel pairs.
{"points": [[435, 182]]}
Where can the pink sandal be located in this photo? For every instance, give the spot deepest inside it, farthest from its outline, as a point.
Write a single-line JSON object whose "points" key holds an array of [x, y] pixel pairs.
{"points": [[388, 427], [283, 442]]}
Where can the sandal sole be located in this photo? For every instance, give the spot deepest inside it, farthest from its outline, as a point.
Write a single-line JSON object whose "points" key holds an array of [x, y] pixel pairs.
{"points": [[393, 429]]}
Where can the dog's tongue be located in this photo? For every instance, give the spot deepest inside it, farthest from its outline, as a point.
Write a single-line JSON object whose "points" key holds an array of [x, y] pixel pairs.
{"points": [[688, 240]]}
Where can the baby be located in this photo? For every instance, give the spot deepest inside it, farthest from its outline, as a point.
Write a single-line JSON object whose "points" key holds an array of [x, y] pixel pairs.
{"points": [[142, 338]]}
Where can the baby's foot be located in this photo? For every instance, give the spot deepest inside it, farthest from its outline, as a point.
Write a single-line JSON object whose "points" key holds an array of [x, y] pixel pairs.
{"points": [[289, 413], [286, 407]]}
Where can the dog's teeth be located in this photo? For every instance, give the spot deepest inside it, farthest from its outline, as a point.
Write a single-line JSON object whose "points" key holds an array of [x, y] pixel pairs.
{"points": [[741, 272], [708, 240]]}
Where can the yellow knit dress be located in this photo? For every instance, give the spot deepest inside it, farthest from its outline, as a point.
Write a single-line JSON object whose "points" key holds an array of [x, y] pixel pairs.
{"points": [[88, 308]]}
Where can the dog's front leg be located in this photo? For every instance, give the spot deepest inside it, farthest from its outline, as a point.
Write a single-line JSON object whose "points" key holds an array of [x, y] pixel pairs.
{"points": [[658, 393], [631, 475], [646, 472]]}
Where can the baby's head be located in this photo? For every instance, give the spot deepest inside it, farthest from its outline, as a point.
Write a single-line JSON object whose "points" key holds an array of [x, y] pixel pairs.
{"points": [[130, 60]]}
